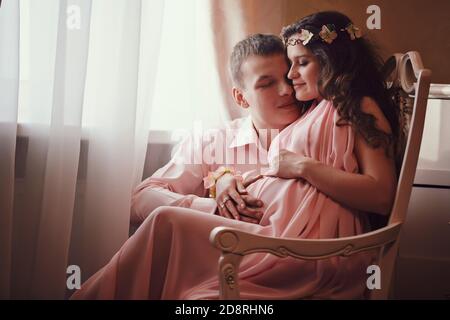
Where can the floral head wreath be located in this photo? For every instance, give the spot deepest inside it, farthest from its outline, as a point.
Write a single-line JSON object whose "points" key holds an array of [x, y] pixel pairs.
{"points": [[327, 34]]}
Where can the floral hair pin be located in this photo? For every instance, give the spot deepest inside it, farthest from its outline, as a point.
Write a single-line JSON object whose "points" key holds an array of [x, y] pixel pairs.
{"points": [[328, 33], [354, 32], [304, 38]]}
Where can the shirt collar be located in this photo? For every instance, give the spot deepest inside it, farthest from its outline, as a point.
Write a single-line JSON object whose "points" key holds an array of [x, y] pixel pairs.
{"points": [[245, 134]]}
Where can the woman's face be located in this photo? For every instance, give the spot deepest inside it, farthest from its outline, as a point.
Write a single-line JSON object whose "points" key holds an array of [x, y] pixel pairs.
{"points": [[304, 71]]}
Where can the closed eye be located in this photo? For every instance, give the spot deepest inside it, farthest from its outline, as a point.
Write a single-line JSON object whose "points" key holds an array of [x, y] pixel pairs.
{"points": [[266, 84]]}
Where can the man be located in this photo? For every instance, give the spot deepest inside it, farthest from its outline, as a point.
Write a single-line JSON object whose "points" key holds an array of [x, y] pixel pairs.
{"points": [[258, 68]]}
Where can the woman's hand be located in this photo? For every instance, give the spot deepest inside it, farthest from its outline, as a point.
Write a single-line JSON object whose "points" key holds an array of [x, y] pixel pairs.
{"points": [[234, 202], [289, 165]]}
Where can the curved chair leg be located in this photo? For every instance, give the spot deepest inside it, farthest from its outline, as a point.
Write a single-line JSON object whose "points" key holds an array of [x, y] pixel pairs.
{"points": [[387, 271], [228, 274]]}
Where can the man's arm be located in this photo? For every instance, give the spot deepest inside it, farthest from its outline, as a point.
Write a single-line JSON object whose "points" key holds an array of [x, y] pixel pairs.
{"points": [[178, 183]]}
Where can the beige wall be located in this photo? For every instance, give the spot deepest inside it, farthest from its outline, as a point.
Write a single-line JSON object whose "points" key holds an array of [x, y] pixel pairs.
{"points": [[420, 25]]}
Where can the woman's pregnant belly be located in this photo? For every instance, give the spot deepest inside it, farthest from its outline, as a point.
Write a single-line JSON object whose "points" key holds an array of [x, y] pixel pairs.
{"points": [[282, 198]]}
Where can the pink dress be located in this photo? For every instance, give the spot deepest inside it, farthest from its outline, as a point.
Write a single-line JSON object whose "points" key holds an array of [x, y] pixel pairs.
{"points": [[170, 256]]}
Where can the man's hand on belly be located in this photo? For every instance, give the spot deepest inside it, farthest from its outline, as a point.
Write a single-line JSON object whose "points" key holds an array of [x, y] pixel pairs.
{"points": [[234, 202]]}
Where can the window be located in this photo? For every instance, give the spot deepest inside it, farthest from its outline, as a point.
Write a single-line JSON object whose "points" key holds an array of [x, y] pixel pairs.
{"points": [[187, 87], [37, 60], [187, 90]]}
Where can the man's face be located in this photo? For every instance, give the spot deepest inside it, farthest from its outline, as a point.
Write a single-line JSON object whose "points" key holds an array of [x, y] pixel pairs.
{"points": [[267, 92]]}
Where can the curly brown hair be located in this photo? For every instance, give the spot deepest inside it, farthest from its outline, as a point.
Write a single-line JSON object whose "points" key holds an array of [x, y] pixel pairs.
{"points": [[349, 71]]}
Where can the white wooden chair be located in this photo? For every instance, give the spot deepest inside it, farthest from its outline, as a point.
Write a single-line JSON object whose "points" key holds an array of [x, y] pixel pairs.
{"points": [[410, 83]]}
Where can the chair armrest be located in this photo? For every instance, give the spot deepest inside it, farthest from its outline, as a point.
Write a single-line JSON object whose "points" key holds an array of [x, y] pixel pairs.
{"points": [[235, 241]]}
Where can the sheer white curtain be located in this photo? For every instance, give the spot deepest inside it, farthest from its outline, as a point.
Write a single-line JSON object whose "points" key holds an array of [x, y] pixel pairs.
{"points": [[9, 86], [86, 77], [188, 84]]}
